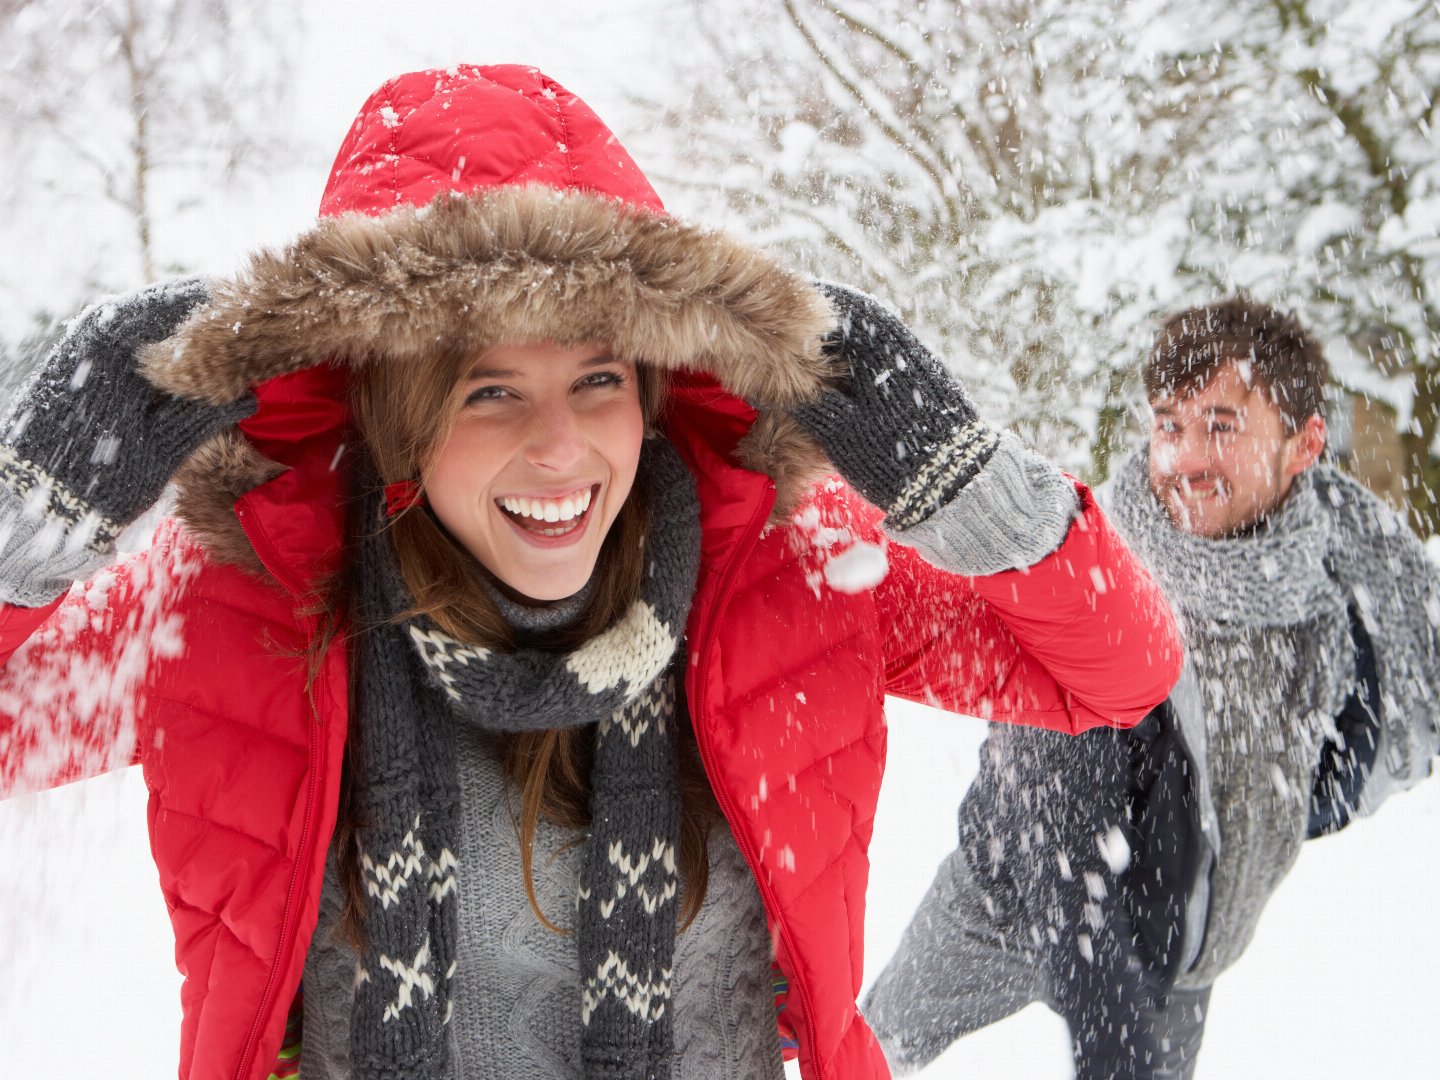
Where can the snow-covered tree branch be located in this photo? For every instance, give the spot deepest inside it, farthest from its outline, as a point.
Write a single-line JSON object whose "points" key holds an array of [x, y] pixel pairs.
{"points": [[1034, 181]]}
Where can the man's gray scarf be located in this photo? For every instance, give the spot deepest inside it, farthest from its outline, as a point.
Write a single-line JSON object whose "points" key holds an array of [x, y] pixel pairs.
{"points": [[1267, 641], [1266, 631], [1267, 638], [1332, 542], [415, 683], [1396, 590]]}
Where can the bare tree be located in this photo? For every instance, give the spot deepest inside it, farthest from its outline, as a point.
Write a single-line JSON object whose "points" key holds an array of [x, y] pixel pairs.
{"points": [[130, 90]]}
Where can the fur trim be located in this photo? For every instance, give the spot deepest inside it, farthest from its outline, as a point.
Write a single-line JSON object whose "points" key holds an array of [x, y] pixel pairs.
{"points": [[779, 447], [508, 264], [216, 475]]}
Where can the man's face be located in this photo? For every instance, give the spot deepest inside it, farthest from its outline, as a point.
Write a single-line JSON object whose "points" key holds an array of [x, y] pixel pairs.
{"points": [[1221, 457]]}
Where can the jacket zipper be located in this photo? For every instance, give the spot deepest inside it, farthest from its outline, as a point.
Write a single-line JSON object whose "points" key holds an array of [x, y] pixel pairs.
{"points": [[287, 916], [722, 795]]}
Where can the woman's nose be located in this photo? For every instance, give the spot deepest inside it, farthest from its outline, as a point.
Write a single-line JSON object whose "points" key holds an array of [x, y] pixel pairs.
{"points": [[554, 440]]}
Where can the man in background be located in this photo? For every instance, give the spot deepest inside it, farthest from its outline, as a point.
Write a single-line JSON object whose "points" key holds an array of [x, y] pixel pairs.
{"points": [[1115, 875]]}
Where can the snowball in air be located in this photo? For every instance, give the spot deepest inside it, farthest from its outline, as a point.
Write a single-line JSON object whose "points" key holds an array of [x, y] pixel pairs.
{"points": [[859, 567], [1115, 849]]}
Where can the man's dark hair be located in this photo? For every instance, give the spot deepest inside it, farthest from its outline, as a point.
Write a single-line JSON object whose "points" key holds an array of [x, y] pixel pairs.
{"points": [[1285, 361]]}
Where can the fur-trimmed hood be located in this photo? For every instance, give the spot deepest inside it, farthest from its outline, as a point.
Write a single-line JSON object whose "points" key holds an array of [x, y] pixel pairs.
{"points": [[590, 259]]}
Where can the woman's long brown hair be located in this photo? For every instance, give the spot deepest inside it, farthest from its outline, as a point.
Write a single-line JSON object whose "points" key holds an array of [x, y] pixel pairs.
{"points": [[402, 413]]}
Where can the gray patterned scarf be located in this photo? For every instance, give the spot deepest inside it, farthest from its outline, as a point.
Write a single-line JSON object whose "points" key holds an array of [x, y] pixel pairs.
{"points": [[415, 683]]}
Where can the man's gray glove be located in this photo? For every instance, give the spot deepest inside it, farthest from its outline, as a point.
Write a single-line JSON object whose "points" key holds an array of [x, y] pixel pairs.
{"points": [[89, 445], [901, 429]]}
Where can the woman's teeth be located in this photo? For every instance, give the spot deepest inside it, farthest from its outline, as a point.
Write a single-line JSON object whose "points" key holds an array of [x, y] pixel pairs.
{"points": [[549, 510]]}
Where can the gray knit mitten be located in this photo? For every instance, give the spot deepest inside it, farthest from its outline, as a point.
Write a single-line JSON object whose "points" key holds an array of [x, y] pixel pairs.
{"points": [[901, 431], [89, 445]]}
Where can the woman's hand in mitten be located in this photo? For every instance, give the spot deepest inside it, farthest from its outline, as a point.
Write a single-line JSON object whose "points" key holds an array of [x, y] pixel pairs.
{"points": [[89, 445], [900, 429]]}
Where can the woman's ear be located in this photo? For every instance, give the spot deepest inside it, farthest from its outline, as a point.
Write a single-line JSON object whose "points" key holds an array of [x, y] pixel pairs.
{"points": [[1304, 448]]}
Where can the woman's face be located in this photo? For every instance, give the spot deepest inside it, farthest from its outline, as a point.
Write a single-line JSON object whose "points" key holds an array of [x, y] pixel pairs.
{"points": [[539, 462]]}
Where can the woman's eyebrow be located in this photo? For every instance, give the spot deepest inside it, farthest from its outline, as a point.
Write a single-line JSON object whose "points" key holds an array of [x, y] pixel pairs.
{"points": [[598, 360]]}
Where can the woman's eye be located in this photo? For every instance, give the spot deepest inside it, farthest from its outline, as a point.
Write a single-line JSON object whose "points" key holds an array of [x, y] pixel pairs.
{"points": [[603, 379], [486, 393]]}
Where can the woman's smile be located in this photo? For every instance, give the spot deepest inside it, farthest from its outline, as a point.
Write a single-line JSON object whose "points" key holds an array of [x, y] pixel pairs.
{"points": [[545, 520]]}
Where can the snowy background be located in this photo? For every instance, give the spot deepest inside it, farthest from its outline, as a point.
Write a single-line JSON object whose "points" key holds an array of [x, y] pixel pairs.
{"points": [[1344, 975], [1342, 981]]}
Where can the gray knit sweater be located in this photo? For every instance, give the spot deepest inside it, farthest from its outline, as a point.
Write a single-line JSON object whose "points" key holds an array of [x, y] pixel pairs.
{"points": [[517, 996]]}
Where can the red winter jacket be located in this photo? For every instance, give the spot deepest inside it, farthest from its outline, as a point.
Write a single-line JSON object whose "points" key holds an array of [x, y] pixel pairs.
{"points": [[191, 657]]}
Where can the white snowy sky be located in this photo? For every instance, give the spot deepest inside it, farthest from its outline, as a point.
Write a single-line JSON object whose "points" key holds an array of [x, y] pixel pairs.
{"points": [[1342, 981]]}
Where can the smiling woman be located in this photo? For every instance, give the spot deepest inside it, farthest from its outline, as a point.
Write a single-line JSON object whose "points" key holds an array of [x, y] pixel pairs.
{"points": [[538, 463], [536, 477]]}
